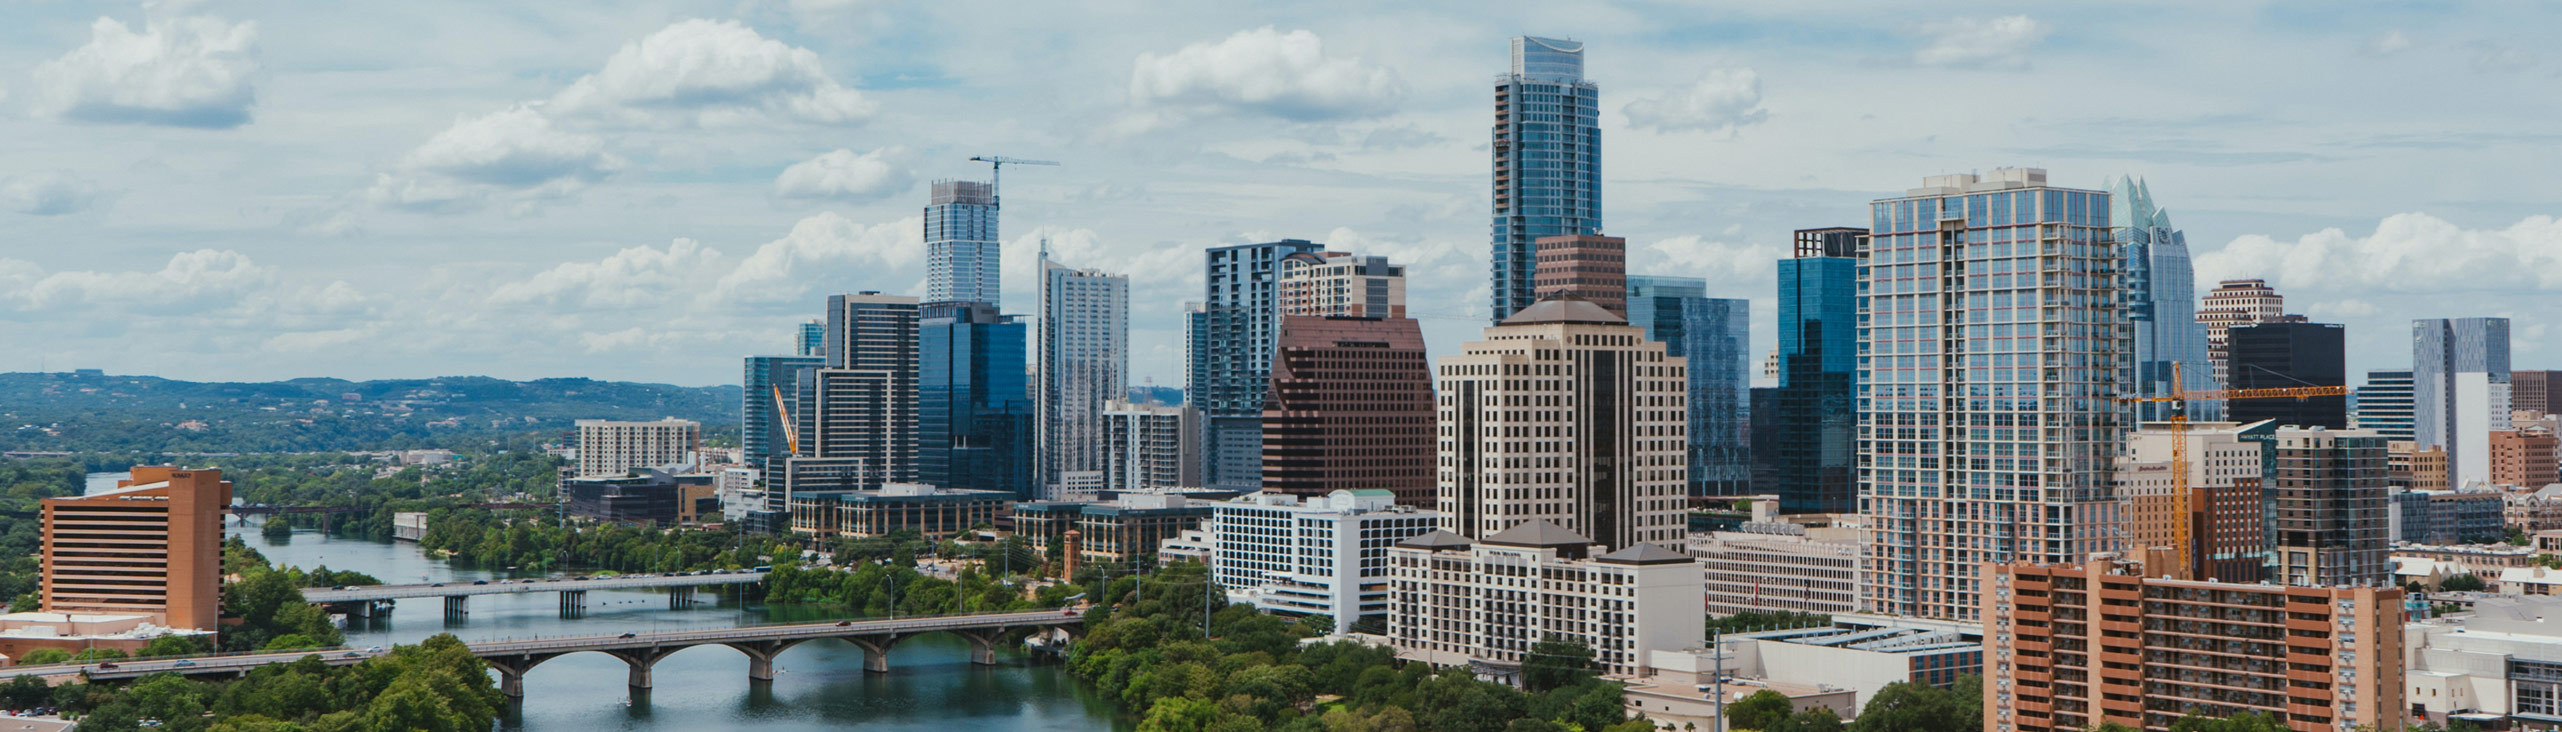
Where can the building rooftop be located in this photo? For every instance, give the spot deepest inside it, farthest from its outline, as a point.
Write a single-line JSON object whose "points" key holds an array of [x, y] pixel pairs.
{"points": [[1564, 309], [1538, 532], [1644, 554], [1436, 540]]}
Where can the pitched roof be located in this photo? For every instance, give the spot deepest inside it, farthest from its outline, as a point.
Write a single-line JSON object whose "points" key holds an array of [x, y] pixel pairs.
{"points": [[1564, 309], [1644, 553], [1537, 532], [1436, 540]]}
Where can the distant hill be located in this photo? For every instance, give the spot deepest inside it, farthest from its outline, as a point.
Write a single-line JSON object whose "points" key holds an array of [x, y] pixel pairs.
{"points": [[91, 411]]}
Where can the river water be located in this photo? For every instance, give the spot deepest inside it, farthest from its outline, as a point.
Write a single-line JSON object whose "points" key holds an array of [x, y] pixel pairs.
{"points": [[821, 686]]}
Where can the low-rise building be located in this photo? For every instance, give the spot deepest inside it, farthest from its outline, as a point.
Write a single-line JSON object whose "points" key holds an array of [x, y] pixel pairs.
{"points": [[1483, 604], [2534, 511], [408, 525], [1774, 566], [1131, 527], [646, 497], [76, 632], [1325, 555], [2525, 457], [2501, 662], [931, 511], [1838, 666], [2449, 517]]}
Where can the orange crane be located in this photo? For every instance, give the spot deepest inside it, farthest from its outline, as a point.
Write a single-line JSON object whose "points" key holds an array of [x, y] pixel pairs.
{"points": [[791, 435], [2182, 498]]}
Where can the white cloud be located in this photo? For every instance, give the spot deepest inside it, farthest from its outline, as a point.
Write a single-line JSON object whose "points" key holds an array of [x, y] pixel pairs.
{"points": [[2002, 42], [2408, 253], [1266, 72], [182, 72], [2389, 43], [704, 72], [832, 252], [1728, 266], [191, 282], [845, 174], [1721, 100], [516, 152], [48, 194], [631, 277]]}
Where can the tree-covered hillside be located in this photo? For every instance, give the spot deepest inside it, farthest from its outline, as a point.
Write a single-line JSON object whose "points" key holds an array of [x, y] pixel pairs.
{"points": [[88, 411]]}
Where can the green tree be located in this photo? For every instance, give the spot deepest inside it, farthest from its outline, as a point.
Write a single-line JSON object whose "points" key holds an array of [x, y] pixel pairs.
{"points": [[1817, 719], [1180, 715], [100, 654], [1556, 662], [1760, 710], [2466, 582], [44, 656], [176, 645], [1908, 707]]}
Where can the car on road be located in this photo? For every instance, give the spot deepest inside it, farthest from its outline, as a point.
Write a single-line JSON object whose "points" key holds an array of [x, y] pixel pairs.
{"points": [[183, 663], [844, 623], [352, 654], [105, 665], [480, 582], [439, 584], [628, 635]]}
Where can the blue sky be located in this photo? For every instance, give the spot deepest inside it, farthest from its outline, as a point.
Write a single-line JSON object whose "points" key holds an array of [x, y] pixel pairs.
{"points": [[648, 191]]}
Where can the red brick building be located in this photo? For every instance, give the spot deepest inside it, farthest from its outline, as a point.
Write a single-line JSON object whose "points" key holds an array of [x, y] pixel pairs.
{"points": [[1589, 266], [1350, 408]]}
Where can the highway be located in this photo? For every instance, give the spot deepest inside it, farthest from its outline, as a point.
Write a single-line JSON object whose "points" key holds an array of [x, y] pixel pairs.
{"points": [[325, 595]]}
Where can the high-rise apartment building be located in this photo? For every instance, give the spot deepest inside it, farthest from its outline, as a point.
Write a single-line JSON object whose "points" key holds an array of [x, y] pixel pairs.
{"points": [[1350, 408], [961, 245], [2068, 647], [813, 338], [2218, 534], [1992, 345], [1815, 419], [2328, 519], [2285, 355], [2384, 404], [1229, 336], [152, 546], [2460, 390], [1083, 364], [2524, 458], [974, 411], [616, 447], [2533, 391], [1588, 266], [1312, 555], [1148, 447], [2231, 303], [1547, 162], [1335, 283], [2170, 343], [1714, 336], [855, 417], [1566, 414], [771, 382]]}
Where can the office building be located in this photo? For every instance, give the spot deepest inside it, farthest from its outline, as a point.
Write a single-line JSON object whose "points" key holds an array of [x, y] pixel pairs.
{"points": [[2447, 517], [2071, 646], [1547, 162], [771, 382], [1588, 266], [1838, 666], [2286, 355], [1127, 528], [813, 338], [649, 497], [2218, 533], [2408, 465], [1312, 555], [961, 244], [1148, 447], [1814, 444], [2328, 520], [1084, 362], [2532, 391], [616, 447], [1714, 336], [1775, 567], [1482, 603], [1350, 408], [2524, 458], [1335, 283], [2026, 277], [152, 547], [931, 511], [2498, 667], [974, 411], [1564, 413], [1229, 336], [2460, 390], [854, 418], [2384, 404], [2236, 302], [2170, 343]]}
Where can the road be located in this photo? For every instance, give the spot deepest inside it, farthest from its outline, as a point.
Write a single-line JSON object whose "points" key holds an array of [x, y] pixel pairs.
{"points": [[325, 595]]}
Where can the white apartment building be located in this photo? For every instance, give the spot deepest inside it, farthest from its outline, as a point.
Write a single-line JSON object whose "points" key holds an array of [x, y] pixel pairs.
{"points": [[2224, 461], [1148, 447], [1565, 413], [1082, 362], [1483, 604], [2231, 303], [615, 447], [1778, 567], [1318, 556], [1335, 283]]}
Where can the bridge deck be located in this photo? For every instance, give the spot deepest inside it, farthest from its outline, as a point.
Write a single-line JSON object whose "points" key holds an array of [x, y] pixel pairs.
{"points": [[323, 595]]}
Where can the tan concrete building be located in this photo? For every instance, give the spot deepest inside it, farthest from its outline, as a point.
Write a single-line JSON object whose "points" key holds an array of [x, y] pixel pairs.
{"points": [[151, 547], [2231, 303], [1483, 604], [2225, 537], [616, 447], [1778, 568], [1342, 285], [2070, 646], [2414, 467]]}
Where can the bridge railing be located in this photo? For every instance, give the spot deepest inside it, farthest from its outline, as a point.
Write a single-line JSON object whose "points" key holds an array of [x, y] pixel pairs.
{"points": [[815, 624], [297, 653]]}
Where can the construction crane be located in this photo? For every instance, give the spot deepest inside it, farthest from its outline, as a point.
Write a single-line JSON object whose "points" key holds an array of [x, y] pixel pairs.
{"points": [[791, 434], [2182, 497], [996, 170]]}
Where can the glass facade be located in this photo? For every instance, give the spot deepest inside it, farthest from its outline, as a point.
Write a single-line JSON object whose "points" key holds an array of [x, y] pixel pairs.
{"points": [[1813, 471], [1230, 337], [1084, 365], [961, 248], [1714, 334], [2161, 301], [974, 412], [1547, 162], [760, 418]]}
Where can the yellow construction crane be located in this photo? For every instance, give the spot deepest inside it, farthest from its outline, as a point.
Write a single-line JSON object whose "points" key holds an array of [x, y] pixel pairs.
{"points": [[791, 434], [2182, 498]]}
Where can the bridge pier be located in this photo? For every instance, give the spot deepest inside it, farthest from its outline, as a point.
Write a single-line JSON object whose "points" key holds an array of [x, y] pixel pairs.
{"points": [[641, 659], [876, 651], [511, 672], [457, 606], [760, 657], [679, 598], [573, 603], [982, 645]]}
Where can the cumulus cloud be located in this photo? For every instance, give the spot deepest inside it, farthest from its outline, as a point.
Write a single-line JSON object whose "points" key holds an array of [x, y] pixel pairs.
{"points": [[829, 250], [516, 153], [181, 72], [48, 194], [2408, 253], [1265, 72], [1988, 43], [1720, 101], [848, 175], [630, 277], [704, 72], [190, 282], [1736, 265]]}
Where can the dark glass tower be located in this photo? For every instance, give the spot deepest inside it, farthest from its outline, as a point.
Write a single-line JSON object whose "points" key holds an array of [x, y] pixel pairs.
{"points": [[1815, 469], [1714, 335], [1547, 162], [1231, 336], [2284, 355], [974, 410]]}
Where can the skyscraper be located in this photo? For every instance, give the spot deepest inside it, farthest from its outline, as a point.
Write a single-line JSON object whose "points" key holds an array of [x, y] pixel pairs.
{"points": [[961, 262], [2533, 391], [2162, 302], [2234, 302], [1147, 446], [1817, 419], [974, 413], [854, 417], [1229, 336], [1567, 414], [1547, 162], [1993, 344], [1335, 283], [1714, 336], [1350, 409], [2460, 390], [1588, 266], [2328, 508], [2384, 404], [813, 338], [1084, 364], [2284, 355]]}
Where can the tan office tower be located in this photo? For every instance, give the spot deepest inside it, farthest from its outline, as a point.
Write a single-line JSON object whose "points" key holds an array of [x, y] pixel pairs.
{"points": [[2236, 302], [151, 547], [2222, 519], [1589, 266], [1335, 283], [1565, 412]]}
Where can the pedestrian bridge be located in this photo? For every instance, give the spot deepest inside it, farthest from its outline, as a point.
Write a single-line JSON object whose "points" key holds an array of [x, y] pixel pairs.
{"points": [[361, 601]]}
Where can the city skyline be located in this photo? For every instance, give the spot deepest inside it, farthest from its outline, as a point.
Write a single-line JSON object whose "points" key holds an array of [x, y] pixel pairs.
{"points": [[554, 209]]}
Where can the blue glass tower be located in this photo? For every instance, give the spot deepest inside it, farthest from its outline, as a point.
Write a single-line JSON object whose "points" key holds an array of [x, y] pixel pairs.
{"points": [[1231, 336], [974, 411], [960, 243], [2162, 301], [1713, 334], [1547, 162], [1815, 470], [813, 339]]}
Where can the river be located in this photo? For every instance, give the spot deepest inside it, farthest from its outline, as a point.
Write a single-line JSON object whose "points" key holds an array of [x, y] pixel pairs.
{"points": [[821, 686]]}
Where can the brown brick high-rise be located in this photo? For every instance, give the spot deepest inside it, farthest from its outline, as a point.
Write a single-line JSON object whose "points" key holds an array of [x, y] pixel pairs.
{"points": [[1350, 408], [151, 547], [1589, 266]]}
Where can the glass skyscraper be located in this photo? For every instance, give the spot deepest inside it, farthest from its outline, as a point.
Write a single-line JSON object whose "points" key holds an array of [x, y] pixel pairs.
{"points": [[1084, 365], [1547, 162], [2162, 302], [1817, 426], [974, 411], [1231, 336], [960, 243], [2460, 390], [2384, 404], [1714, 334]]}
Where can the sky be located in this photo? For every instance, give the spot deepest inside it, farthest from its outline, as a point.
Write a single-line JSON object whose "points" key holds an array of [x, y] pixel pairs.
{"points": [[651, 190]]}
